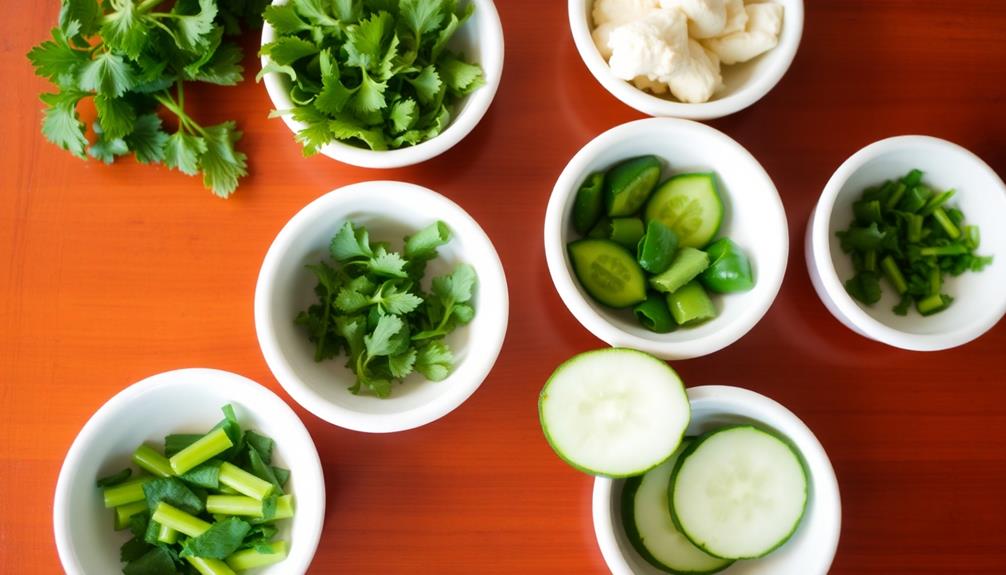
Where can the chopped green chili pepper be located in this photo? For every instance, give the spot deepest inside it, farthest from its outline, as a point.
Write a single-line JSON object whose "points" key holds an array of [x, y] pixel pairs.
{"points": [[729, 270], [589, 203], [656, 250], [626, 231], [654, 315]]}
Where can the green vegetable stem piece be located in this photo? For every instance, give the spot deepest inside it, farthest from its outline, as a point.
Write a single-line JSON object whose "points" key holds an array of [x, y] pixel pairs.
{"points": [[150, 460], [589, 203], [626, 231], [865, 287], [252, 558], [245, 483], [601, 230], [690, 304], [629, 184], [686, 266], [894, 275], [210, 566], [179, 520], [946, 223], [729, 271], [933, 304], [234, 505], [167, 535], [654, 315], [207, 447], [124, 513], [124, 493], [656, 250], [915, 199]]}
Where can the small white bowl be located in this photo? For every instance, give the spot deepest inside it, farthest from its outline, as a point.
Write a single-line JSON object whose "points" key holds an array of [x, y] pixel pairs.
{"points": [[390, 211], [744, 84], [980, 300], [186, 400], [754, 218], [813, 546], [480, 39]]}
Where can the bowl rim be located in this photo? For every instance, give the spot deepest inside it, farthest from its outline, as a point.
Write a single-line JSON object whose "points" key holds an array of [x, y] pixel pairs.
{"points": [[819, 251], [491, 43], [228, 382], [825, 482], [389, 191], [754, 90], [575, 301]]}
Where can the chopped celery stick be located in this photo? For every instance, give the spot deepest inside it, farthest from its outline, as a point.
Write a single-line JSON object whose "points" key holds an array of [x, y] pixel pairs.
{"points": [[895, 197], [937, 201], [946, 223], [179, 520], [244, 483], [284, 508], [124, 512], [123, 493], [935, 280], [894, 275], [167, 535], [951, 250], [210, 566], [914, 232], [870, 261], [209, 445], [234, 505], [149, 460], [252, 558]]}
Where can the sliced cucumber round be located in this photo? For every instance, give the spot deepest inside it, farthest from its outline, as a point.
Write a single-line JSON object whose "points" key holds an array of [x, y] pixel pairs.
{"points": [[614, 412], [629, 184], [690, 205], [609, 272], [738, 492], [651, 530]]}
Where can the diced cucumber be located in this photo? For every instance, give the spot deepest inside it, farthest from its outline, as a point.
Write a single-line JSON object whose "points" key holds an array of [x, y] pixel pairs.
{"points": [[589, 203], [690, 205], [628, 185], [601, 230], [686, 266], [627, 231], [608, 272], [646, 514], [690, 304], [614, 412], [738, 492]]}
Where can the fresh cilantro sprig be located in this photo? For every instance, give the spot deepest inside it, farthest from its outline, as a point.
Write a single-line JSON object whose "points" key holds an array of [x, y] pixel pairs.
{"points": [[374, 73], [133, 58], [371, 306]]}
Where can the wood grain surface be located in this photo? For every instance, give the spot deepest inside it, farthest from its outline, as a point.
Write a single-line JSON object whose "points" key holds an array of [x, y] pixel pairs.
{"points": [[111, 274]]}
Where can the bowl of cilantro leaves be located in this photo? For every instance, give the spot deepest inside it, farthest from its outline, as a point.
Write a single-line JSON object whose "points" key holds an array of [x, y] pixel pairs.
{"points": [[381, 306], [381, 83]]}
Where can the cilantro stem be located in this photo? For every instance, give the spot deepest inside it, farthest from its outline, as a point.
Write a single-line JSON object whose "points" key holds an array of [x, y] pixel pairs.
{"points": [[177, 108], [148, 5]]}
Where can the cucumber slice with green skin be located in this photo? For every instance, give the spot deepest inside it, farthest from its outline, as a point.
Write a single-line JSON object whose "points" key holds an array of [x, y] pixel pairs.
{"points": [[628, 185], [738, 492], [650, 529], [608, 272], [614, 412], [690, 205], [589, 203]]}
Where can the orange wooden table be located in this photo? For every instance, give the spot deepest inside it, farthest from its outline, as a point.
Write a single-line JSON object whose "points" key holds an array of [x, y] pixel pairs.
{"points": [[110, 274]]}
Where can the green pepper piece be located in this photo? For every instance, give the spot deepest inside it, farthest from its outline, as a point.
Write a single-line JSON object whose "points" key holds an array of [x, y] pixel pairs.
{"points": [[654, 315], [690, 304], [589, 203], [601, 230], [656, 250], [626, 231], [729, 270]]}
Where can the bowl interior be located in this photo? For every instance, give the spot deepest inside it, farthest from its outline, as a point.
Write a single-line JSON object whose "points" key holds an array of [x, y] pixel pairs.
{"points": [[737, 78], [753, 218], [186, 401], [980, 195], [390, 211], [811, 549]]}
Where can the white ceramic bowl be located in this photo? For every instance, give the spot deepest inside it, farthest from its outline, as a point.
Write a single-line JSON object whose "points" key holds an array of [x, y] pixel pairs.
{"points": [[980, 298], [744, 84], [390, 211], [186, 400], [754, 218], [813, 546], [480, 39]]}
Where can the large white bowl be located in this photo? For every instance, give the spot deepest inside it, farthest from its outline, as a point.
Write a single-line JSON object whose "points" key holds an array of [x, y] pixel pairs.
{"points": [[745, 83], [182, 401], [754, 218], [980, 300], [813, 546], [480, 39], [390, 211]]}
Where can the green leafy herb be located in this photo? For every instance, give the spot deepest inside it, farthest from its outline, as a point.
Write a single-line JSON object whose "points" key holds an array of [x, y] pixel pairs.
{"points": [[219, 541], [373, 73], [905, 232], [115, 478], [134, 59], [371, 307]]}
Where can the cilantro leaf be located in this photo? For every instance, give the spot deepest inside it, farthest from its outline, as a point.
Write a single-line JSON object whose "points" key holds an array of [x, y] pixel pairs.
{"points": [[193, 29], [147, 140], [315, 13], [117, 116], [402, 364], [334, 94], [126, 29], [350, 300], [288, 49], [399, 302], [182, 152], [369, 96], [56, 60], [434, 361], [457, 287], [345, 130], [380, 343], [284, 19], [222, 165], [460, 77], [422, 16], [427, 84], [388, 264], [403, 115], [350, 242], [365, 40], [223, 68], [106, 149], [316, 131], [61, 124], [108, 74], [85, 13]]}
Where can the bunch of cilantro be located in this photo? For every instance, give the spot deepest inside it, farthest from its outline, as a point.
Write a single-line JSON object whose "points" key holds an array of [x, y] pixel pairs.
{"points": [[372, 307], [375, 73], [133, 58]]}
